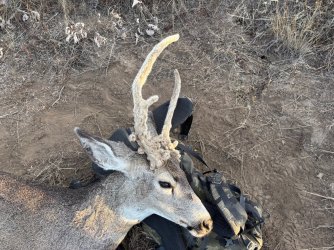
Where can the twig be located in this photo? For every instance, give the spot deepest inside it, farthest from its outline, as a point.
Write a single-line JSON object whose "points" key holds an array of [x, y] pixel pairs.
{"points": [[297, 127], [67, 168], [248, 18], [97, 124], [60, 92], [52, 17], [4, 116], [110, 54], [321, 226], [242, 124], [75, 104], [242, 170], [319, 195], [42, 171], [326, 151], [17, 133], [318, 248]]}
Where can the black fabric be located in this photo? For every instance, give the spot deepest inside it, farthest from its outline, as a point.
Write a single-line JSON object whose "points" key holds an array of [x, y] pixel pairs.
{"points": [[75, 184], [122, 135], [170, 233], [185, 128], [192, 153], [230, 208], [182, 114], [100, 172]]}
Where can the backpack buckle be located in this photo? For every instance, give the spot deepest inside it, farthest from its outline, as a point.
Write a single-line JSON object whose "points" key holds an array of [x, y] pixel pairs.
{"points": [[215, 178]]}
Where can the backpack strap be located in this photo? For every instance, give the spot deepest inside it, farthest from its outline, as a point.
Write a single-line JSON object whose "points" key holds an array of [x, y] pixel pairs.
{"points": [[231, 209], [191, 152], [223, 196]]}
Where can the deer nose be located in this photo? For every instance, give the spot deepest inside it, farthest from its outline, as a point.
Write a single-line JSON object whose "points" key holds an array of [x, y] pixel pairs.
{"points": [[205, 226], [201, 229]]}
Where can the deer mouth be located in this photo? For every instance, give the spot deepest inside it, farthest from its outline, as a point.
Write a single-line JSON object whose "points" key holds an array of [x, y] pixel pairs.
{"points": [[199, 233], [201, 229]]}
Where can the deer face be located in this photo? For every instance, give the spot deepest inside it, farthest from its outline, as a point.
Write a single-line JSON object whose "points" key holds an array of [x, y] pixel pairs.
{"points": [[154, 183], [163, 191], [172, 198]]}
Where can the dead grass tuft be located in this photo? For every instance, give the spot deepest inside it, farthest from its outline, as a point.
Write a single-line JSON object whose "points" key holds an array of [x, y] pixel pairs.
{"points": [[138, 239], [50, 44], [291, 29], [60, 169]]}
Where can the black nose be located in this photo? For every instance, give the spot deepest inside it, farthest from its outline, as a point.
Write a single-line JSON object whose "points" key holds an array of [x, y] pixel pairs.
{"points": [[205, 225]]}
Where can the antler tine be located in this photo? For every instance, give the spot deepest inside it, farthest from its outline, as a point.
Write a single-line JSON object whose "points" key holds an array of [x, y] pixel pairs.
{"points": [[140, 105], [172, 105]]}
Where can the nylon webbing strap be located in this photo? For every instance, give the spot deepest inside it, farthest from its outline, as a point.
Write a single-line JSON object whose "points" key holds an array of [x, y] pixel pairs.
{"points": [[192, 153], [228, 205], [230, 208]]}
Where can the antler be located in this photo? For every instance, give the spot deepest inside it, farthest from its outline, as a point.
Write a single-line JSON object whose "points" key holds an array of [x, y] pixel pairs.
{"points": [[158, 148]]}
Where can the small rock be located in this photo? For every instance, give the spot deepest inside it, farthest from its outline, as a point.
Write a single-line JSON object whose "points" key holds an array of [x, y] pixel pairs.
{"points": [[320, 175], [150, 32], [35, 15], [332, 187], [25, 17], [135, 2], [153, 27]]}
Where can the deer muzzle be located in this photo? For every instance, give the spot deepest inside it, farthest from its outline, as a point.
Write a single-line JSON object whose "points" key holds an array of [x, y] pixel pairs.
{"points": [[201, 229]]}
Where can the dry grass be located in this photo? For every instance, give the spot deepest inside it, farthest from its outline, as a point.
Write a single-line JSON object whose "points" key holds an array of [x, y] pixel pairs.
{"points": [[291, 29], [39, 48], [139, 240], [58, 169], [40, 45], [285, 29]]}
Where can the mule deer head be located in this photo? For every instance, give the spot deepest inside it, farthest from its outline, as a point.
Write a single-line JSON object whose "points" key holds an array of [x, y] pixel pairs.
{"points": [[142, 183], [154, 180]]}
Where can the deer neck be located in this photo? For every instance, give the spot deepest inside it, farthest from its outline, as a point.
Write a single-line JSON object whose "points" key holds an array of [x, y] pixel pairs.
{"points": [[105, 215]]}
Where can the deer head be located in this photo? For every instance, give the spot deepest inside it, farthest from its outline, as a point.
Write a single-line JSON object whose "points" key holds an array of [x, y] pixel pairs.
{"points": [[152, 181]]}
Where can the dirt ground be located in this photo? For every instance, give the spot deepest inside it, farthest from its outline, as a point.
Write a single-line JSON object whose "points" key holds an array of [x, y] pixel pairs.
{"points": [[266, 123]]}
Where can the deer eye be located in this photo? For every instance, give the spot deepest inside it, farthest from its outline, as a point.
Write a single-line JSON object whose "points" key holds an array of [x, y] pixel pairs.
{"points": [[165, 184]]}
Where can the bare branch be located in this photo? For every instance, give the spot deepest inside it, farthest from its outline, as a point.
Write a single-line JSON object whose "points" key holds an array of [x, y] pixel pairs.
{"points": [[319, 195]]}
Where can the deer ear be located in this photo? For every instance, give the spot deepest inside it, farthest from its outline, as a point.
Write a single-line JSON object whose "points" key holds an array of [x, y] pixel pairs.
{"points": [[100, 152]]}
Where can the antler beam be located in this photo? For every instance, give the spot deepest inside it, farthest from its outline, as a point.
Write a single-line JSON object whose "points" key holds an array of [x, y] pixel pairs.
{"points": [[158, 148]]}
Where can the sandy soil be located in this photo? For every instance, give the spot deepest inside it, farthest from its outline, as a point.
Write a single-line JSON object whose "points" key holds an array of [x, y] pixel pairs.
{"points": [[265, 124]]}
